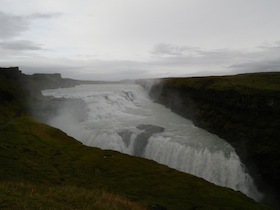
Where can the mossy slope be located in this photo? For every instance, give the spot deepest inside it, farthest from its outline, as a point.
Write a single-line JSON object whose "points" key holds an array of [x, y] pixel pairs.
{"points": [[41, 155]]}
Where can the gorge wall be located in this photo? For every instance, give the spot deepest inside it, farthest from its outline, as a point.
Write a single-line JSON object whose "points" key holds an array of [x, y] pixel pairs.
{"points": [[220, 104], [242, 109]]}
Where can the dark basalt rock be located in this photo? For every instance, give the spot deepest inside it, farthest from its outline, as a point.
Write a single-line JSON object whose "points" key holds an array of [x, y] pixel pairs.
{"points": [[10, 72], [126, 135], [141, 140], [150, 128]]}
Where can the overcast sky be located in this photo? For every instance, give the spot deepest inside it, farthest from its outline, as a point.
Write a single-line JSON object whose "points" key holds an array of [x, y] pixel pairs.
{"points": [[127, 39]]}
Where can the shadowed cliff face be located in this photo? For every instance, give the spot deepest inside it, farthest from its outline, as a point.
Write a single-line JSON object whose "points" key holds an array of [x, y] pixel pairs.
{"points": [[242, 109]]}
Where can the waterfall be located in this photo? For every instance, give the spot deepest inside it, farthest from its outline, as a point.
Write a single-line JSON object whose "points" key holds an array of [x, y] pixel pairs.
{"points": [[121, 117]]}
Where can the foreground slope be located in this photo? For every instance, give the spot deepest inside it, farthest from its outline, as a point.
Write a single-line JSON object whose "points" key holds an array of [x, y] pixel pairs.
{"points": [[36, 154], [43, 168]]}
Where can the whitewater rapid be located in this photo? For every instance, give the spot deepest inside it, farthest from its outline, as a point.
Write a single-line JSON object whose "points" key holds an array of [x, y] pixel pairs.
{"points": [[121, 117]]}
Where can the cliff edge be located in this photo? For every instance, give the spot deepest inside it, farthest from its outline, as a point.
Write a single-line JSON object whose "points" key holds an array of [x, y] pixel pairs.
{"points": [[242, 109]]}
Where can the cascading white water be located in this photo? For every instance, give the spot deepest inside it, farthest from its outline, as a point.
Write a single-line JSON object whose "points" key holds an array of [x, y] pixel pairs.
{"points": [[121, 117]]}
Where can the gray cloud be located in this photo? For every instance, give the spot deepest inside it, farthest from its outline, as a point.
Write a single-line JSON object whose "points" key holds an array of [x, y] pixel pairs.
{"points": [[162, 64], [173, 53], [20, 45], [266, 58], [12, 25], [43, 15], [164, 49], [261, 66], [263, 58], [180, 55]]}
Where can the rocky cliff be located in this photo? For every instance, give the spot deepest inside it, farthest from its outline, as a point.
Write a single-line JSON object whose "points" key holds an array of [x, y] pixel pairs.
{"points": [[27, 89], [242, 109]]}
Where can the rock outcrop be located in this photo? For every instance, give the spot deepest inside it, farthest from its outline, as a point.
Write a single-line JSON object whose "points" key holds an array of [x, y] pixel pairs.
{"points": [[9, 86], [145, 131], [10, 72], [27, 89], [141, 140]]}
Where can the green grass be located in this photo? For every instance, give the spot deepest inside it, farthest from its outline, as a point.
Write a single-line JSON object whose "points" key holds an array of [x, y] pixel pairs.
{"points": [[43, 157], [26, 196], [242, 82]]}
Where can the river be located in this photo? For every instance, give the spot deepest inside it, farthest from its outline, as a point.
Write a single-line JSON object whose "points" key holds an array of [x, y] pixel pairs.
{"points": [[122, 117]]}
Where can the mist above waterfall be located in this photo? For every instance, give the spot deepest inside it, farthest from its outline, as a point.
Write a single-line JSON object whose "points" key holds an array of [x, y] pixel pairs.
{"points": [[121, 117]]}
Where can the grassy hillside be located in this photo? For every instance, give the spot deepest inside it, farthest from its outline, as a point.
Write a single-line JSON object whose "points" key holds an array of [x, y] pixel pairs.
{"points": [[26, 196], [43, 168], [246, 83], [37, 159]]}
